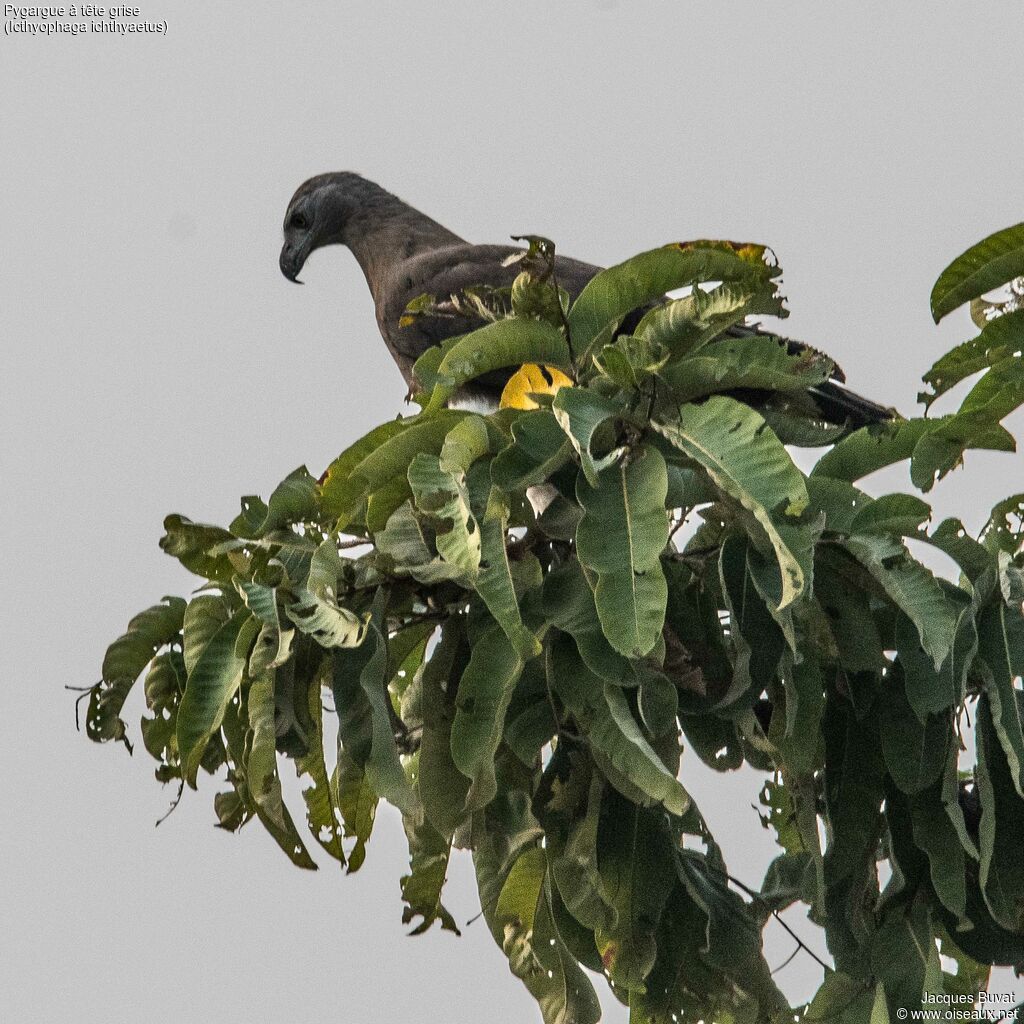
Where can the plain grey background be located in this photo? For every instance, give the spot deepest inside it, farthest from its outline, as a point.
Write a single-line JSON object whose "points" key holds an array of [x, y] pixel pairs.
{"points": [[155, 360]]}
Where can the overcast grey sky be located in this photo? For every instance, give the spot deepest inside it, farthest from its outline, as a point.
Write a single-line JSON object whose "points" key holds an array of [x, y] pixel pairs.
{"points": [[155, 360]]}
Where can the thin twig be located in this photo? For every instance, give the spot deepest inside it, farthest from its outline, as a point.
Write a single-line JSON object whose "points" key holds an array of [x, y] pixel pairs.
{"points": [[785, 963], [755, 895], [84, 693], [174, 804]]}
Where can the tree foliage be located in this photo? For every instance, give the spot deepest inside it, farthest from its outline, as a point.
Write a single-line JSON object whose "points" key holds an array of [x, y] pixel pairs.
{"points": [[521, 678]]}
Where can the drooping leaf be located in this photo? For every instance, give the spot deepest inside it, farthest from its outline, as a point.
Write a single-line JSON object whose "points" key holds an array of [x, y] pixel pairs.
{"points": [[911, 587], [429, 852], [914, 751], [123, 663], [485, 691], [262, 775], [620, 539], [756, 640], [358, 805], [603, 712], [1001, 831], [749, 464], [635, 861], [494, 582], [581, 414], [323, 812], [1001, 647], [443, 788], [732, 940], [569, 605], [935, 833], [212, 682], [365, 716], [196, 545]]}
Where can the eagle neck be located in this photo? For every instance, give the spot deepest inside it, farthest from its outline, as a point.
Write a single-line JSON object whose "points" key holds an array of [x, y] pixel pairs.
{"points": [[385, 232]]}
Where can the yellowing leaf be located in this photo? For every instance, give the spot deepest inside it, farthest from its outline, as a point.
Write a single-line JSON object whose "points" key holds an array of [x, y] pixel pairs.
{"points": [[532, 379]]}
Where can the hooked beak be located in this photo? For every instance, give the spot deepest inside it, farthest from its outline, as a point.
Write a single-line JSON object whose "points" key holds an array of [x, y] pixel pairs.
{"points": [[293, 257]]}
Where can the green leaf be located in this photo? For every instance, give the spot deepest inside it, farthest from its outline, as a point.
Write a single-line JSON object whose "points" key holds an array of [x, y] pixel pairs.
{"points": [[574, 866], [617, 291], [620, 539], [212, 681], [943, 438], [1001, 831], [429, 852], [911, 587], [273, 645], [603, 714], [442, 497], [998, 339], [854, 791], [147, 632], [581, 413], [495, 346], [901, 514], [942, 449], [934, 832], [364, 710], [358, 805], [295, 500], [314, 608], [757, 642], [123, 663], [762, 362], [1001, 648], [903, 954], [805, 703], [635, 860], [485, 691], [521, 922], [341, 490], [992, 262], [684, 325], [843, 1000], [494, 582], [915, 751], [387, 464], [195, 544], [733, 939], [569, 605], [539, 448], [323, 812], [443, 788], [567, 996], [748, 463], [263, 779]]}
